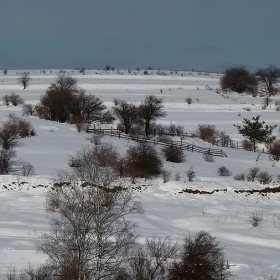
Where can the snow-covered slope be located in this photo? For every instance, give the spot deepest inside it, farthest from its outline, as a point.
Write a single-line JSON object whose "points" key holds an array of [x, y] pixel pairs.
{"points": [[254, 252]]}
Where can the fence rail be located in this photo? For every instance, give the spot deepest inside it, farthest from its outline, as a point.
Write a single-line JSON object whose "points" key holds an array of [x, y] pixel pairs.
{"points": [[141, 138]]}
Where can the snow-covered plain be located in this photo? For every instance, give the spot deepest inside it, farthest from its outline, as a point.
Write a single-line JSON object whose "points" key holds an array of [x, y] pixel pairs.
{"points": [[253, 252]]}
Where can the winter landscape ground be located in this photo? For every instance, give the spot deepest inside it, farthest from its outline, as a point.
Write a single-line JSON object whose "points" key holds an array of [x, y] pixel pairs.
{"points": [[253, 252]]}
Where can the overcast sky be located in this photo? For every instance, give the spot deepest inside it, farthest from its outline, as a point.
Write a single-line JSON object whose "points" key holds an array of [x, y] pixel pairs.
{"points": [[179, 34]]}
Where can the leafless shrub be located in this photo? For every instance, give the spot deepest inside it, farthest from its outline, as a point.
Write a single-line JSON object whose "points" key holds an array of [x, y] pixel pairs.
{"points": [[27, 169], [6, 100], [252, 174], [166, 175], [190, 174], [151, 263], [18, 127], [171, 129], [177, 176], [223, 139], [164, 138], [247, 145], [97, 164], [208, 157], [207, 132], [16, 99], [202, 258], [189, 100], [28, 110], [96, 139], [223, 171], [256, 219], [247, 109], [173, 153], [274, 150], [239, 177], [179, 130], [5, 156], [264, 177]]}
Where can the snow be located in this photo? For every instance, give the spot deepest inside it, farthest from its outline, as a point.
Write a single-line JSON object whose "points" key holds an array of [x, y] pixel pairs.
{"points": [[253, 252]]}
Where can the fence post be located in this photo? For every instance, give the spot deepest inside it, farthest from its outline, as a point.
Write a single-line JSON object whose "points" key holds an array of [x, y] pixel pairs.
{"points": [[119, 136], [154, 141], [221, 152], [237, 144], [93, 127], [192, 147]]}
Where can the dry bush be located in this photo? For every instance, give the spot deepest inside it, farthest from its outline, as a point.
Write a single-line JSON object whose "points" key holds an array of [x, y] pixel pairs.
{"points": [[264, 177], [151, 262], [21, 128], [164, 138], [256, 219], [223, 171], [239, 177], [274, 150], [190, 174], [207, 132], [97, 164], [16, 99], [28, 110], [223, 139], [6, 100], [189, 100], [202, 258], [96, 139], [171, 129], [247, 145], [177, 176], [142, 161], [27, 169], [208, 157], [5, 156], [166, 175], [252, 174], [173, 153]]}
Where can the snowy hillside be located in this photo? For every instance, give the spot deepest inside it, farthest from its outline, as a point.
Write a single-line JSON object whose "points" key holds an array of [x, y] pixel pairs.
{"points": [[253, 252]]}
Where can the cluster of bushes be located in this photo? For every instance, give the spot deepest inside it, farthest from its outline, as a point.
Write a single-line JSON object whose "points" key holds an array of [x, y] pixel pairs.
{"points": [[209, 133], [253, 174], [10, 133], [13, 98]]}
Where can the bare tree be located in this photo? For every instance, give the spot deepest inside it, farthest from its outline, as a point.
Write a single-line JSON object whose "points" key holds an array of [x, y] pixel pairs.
{"points": [[90, 236], [127, 114], [151, 262], [150, 110], [24, 79], [269, 79]]}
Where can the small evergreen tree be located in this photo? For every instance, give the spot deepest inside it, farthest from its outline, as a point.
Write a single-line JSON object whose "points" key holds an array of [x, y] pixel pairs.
{"points": [[256, 131]]}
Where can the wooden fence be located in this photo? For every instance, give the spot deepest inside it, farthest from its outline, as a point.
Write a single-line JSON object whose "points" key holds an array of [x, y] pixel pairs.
{"points": [[142, 138]]}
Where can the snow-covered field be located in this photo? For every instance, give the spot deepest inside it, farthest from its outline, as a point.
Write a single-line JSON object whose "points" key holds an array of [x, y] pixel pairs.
{"points": [[253, 252]]}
